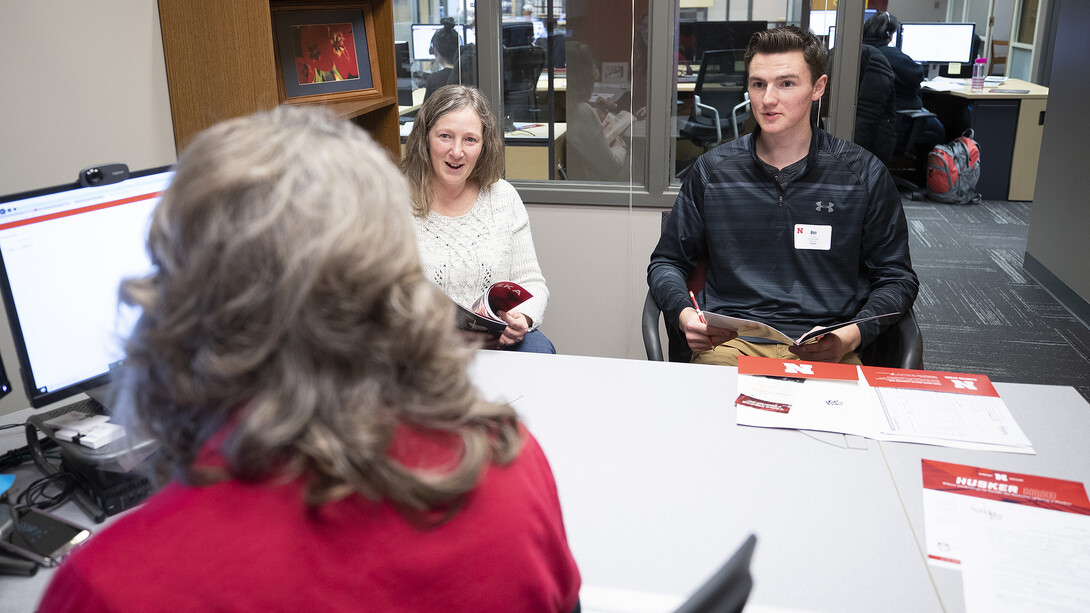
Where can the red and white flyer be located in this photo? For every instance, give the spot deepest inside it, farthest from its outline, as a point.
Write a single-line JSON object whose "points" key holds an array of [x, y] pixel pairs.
{"points": [[1021, 541], [802, 395], [944, 408]]}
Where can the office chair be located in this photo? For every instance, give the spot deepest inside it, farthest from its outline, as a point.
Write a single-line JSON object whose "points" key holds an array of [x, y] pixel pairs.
{"points": [[522, 68], [720, 91], [898, 346], [728, 590], [905, 164], [560, 153]]}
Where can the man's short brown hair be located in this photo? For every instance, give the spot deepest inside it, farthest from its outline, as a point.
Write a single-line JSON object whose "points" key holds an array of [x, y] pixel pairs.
{"points": [[785, 40]]}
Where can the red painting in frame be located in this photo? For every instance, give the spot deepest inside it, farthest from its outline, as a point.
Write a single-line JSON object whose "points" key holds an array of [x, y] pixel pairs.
{"points": [[325, 52]]}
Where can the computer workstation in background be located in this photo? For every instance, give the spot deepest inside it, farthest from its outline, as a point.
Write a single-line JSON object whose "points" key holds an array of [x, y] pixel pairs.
{"points": [[64, 251], [1007, 121]]}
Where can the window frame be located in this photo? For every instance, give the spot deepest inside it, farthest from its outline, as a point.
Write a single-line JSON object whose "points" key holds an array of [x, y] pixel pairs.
{"points": [[659, 190]]}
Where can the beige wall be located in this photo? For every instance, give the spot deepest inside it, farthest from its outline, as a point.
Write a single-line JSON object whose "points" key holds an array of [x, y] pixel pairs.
{"points": [[84, 83], [595, 263]]}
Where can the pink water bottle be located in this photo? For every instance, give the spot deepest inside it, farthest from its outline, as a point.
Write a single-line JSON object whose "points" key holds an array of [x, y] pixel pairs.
{"points": [[980, 70]]}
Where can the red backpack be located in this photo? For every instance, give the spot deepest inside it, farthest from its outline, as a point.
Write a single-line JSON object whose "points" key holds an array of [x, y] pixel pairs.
{"points": [[953, 170]]}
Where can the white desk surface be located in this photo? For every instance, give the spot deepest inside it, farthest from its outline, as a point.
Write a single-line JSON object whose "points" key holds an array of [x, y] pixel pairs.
{"points": [[659, 486], [1057, 421]]}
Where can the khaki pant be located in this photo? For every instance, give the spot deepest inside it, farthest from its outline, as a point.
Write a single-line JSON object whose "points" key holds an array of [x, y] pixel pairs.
{"points": [[727, 353]]}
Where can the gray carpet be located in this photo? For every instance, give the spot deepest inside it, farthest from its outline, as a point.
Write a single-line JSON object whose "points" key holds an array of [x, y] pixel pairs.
{"points": [[978, 309]]}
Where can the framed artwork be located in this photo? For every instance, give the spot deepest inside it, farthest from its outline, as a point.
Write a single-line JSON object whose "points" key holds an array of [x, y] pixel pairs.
{"points": [[615, 72], [325, 53]]}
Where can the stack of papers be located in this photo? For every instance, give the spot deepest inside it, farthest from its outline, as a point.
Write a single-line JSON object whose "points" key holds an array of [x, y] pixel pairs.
{"points": [[888, 404], [1022, 542]]}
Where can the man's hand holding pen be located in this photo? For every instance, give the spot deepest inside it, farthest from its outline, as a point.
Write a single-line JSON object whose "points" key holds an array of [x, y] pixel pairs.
{"points": [[699, 335]]}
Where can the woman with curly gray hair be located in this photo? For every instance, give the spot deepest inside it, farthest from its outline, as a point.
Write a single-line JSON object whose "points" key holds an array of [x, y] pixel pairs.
{"points": [[324, 446]]}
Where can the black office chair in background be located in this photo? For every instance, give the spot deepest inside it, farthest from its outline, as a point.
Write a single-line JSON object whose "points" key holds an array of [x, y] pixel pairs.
{"points": [[720, 100], [522, 67], [907, 162], [728, 590]]}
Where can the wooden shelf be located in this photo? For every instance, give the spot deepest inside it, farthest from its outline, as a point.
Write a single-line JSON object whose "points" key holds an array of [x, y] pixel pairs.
{"points": [[221, 63], [351, 109]]}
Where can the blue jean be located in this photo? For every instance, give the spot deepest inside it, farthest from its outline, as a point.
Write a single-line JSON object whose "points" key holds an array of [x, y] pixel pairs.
{"points": [[533, 342]]}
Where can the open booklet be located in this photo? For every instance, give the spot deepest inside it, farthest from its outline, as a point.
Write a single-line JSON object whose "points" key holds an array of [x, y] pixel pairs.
{"points": [[756, 329], [615, 124], [482, 317]]}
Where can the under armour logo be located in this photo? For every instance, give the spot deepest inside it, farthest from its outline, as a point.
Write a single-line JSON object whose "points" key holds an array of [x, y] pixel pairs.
{"points": [[828, 207]]}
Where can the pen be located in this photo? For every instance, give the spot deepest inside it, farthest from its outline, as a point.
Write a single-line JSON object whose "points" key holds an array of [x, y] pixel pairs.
{"points": [[697, 307]]}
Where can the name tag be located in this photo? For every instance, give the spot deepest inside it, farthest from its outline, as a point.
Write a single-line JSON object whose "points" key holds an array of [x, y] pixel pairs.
{"points": [[813, 237]]}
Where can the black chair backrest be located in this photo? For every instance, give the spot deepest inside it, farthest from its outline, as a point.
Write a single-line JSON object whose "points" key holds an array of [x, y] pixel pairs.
{"points": [[721, 82], [728, 590], [522, 67], [464, 71]]}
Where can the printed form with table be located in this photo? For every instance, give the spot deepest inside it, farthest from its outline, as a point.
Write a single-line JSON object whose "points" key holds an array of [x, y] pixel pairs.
{"points": [[1021, 542]]}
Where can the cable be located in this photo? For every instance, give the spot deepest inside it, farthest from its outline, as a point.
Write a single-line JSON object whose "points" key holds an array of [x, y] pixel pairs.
{"points": [[35, 494]]}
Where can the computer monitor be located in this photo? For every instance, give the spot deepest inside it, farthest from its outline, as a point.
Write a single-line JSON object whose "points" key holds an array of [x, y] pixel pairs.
{"points": [[696, 37], [421, 34], [938, 43], [822, 21], [517, 33], [403, 58], [64, 251]]}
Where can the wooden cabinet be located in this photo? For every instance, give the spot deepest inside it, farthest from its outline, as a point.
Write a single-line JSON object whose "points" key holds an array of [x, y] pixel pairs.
{"points": [[221, 63]]}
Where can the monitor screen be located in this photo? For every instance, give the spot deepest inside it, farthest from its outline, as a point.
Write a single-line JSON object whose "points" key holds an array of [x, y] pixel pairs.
{"points": [[517, 33], [421, 35], [63, 254], [696, 37], [938, 42], [821, 21]]}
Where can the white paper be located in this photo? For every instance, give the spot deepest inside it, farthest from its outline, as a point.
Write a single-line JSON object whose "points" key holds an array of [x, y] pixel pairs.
{"points": [[815, 404], [948, 417], [1020, 559]]}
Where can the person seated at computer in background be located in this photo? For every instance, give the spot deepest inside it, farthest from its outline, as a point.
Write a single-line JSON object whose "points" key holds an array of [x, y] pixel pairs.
{"points": [[743, 204], [589, 155], [445, 44], [471, 225], [878, 31], [309, 394]]}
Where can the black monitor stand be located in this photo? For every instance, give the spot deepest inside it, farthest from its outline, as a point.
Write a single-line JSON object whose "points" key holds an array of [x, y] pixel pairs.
{"points": [[105, 486]]}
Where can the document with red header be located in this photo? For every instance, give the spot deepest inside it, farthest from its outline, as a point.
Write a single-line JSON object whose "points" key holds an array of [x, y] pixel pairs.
{"points": [[803, 395], [1021, 541], [888, 404], [944, 408]]}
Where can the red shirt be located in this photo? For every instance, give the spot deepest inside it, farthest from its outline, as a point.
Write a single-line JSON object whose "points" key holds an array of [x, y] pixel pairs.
{"points": [[237, 546]]}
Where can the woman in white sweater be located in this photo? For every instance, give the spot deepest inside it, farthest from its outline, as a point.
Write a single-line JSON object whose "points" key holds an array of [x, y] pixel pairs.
{"points": [[471, 226]]}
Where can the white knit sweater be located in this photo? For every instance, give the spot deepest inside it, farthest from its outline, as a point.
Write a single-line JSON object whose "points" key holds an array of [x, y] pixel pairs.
{"points": [[465, 255]]}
